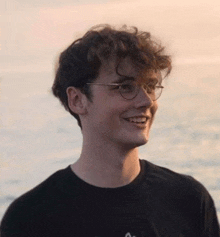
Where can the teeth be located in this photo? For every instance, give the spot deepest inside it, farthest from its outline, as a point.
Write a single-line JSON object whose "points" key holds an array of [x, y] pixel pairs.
{"points": [[137, 119]]}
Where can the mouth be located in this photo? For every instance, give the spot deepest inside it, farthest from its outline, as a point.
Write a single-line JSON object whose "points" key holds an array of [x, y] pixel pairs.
{"points": [[138, 120]]}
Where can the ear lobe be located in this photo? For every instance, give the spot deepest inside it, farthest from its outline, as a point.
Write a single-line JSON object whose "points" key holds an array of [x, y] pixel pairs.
{"points": [[76, 100]]}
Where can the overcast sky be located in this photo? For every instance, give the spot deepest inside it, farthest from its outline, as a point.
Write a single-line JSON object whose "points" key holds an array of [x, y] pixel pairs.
{"points": [[34, 32]]}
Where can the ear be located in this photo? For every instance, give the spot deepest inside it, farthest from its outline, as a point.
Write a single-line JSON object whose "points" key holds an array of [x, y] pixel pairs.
{"points": [[77, 101]]}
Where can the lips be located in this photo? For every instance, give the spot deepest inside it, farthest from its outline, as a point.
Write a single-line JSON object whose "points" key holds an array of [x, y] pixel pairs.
{"points": [[137, 119]]}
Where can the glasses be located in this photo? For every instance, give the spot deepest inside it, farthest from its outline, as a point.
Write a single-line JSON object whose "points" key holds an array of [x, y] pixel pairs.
{"points": [[130, 89]]}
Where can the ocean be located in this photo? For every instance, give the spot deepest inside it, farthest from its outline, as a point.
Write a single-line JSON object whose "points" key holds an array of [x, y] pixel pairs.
{"points": [[38, 136]]}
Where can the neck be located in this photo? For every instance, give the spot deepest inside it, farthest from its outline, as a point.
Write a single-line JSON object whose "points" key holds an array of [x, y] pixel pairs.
{"points": [[107, 166]]}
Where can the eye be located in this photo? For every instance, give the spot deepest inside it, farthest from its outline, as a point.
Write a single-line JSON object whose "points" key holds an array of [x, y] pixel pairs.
{"points": [[127, 87], [115, 87], [152, 85]]}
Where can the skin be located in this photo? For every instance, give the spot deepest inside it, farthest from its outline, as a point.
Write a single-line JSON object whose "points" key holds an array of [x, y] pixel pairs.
{"points": [[109, 156]]}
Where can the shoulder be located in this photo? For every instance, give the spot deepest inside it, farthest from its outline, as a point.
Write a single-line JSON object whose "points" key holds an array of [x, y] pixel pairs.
{"points": [[35, 203], [180, 195], [46, 188], [174, 183]]}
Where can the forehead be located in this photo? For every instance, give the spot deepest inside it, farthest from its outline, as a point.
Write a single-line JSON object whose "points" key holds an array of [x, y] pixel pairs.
{"points": [[125, 68]]}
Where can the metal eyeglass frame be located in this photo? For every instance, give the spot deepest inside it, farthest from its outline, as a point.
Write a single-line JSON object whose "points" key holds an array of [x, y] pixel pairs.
{"points": [[120, 84]]}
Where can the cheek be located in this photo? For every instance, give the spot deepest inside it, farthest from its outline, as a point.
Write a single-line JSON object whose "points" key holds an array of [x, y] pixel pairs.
{"points": [[109, 109], [153, 112], [111, 117], [154, 108]]}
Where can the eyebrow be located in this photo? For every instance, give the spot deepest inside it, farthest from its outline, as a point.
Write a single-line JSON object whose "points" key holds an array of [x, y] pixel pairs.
{"points": [[124, 78], [153, 79]]}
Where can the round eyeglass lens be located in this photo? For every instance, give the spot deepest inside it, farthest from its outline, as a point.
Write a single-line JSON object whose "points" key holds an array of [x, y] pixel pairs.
{"points": [[156, 93], [129, 90]]}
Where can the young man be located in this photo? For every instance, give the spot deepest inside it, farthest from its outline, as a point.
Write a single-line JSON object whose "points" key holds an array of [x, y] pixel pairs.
{"points": [[110, 81]]}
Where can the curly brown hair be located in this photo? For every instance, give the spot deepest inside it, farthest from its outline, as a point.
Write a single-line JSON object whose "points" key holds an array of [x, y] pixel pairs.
{"points": [[81, 61]]}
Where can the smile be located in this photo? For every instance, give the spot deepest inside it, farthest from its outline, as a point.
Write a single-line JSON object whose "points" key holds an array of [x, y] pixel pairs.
{"points": [[141, 120]]}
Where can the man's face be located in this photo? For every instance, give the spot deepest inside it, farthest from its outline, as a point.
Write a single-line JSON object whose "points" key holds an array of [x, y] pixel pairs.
{"points": [[113, 119]]}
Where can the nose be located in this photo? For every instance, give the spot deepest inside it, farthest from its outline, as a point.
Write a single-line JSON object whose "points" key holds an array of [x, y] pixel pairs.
{"points": [[143, 99]]}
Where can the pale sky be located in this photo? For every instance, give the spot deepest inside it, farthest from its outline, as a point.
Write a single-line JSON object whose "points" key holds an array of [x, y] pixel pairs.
{"points": [[34, 32]]}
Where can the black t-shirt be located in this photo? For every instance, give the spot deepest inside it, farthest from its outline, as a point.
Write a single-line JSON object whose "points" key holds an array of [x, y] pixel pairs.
{"points": [[159, 202]]}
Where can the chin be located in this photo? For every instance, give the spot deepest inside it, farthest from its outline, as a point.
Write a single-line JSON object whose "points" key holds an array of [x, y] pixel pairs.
{"points": [[142, 139], [141, 143], [136, 143], [133, 140]]}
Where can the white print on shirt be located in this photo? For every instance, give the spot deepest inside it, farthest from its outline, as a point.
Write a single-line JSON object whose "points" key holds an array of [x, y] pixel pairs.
{"points": [[129, 235]]}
